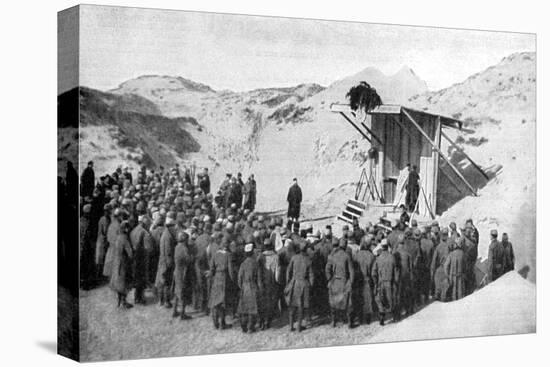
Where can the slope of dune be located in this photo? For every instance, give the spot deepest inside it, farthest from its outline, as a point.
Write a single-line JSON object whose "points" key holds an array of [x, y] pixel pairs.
{"points": [[506, 306]]}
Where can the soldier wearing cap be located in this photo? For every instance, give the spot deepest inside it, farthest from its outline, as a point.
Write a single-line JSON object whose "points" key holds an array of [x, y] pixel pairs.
{"points": [[202, 243], [165, 268], [469, 246], [86, 247], [423, 265], [365, 261], [271, 278], [101, 242], [184, 275], [454, 270], [299, 277], [404, 299], [509, 258], [495, 258], [340, 274], [140, 242], [294, 199], [437, 270], [121, 265], [250, 289], [385, 275], [112, 232], [223, 275]]}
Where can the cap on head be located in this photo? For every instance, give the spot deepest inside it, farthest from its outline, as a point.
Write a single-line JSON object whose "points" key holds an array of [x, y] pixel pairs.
{"points": [[248, 247], [494, 232]]}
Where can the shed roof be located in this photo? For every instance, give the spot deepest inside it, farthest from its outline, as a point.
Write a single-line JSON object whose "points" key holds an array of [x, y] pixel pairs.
{"points": [[394, 109]]}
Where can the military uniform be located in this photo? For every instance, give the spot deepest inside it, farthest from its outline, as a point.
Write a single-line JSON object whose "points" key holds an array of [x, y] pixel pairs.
{"points": [[139, 238], [441, 284], [165, 269], [223, 275], [340, 275], [385, 276], [365, 261], [250, 286], [454, 270], [495, 260], [183, 278], [297, 292]]}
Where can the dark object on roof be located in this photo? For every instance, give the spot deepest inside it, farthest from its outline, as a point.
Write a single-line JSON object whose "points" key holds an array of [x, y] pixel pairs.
{"points": [[363, 96]]}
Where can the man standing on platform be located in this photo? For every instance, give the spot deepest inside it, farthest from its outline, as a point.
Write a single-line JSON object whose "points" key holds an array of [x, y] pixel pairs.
{"points": [[294, 199]]}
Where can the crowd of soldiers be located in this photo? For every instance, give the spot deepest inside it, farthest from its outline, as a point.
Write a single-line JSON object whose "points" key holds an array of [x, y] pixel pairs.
{"points": [[165, 231]]}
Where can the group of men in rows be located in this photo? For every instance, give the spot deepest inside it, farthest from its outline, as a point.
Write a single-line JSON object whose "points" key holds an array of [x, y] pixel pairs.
{"points": [[234, 190], [167, 233]]}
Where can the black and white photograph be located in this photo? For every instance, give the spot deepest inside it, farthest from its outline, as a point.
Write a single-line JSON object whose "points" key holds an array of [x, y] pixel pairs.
{"points": [[240, 183]]}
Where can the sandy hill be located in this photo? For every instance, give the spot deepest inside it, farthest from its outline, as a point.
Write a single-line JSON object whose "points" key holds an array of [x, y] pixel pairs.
{"points": [[498, 104]]}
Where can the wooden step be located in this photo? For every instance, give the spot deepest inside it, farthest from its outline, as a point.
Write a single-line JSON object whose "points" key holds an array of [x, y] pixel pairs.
{"points": [[350, 215], [359, 204], [354, 210], [345, 219]]}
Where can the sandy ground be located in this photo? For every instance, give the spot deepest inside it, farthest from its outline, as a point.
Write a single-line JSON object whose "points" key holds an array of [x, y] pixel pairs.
{"points": [[504, 307], [507, 306]]}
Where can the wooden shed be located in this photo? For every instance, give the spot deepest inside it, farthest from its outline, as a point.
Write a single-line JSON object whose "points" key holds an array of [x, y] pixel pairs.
{"points": [[399, 136]]}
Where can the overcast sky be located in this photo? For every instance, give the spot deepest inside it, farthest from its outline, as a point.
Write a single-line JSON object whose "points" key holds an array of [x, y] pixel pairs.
{"points": [[243, 52]]}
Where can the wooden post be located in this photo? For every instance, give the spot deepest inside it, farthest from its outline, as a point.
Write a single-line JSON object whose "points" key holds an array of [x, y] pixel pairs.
{"points": [[371, 133], [436, 162], [355, 126], [466, 155], [440, 152]]}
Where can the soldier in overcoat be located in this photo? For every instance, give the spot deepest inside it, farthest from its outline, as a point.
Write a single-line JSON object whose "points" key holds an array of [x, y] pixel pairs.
{"points": [[184, 272], [340, 274], [454, 269], [139, 239], [299, 277], [165, 268], [112, 233], [439, 279], [101, 242], [365, 261], [250, 289], [121, 265], [495, 258], [271, 284], [222, 275], [385, 275]]}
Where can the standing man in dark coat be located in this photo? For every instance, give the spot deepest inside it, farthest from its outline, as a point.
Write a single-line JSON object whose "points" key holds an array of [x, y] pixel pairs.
{"points": [[340, 275], [204, 183], [250, 286], [439, 279], [165, 269], [139, 238], [201, 265], [423, 265], [509, 258], [299, 277], [404, 297], [86, 248], [454, 269], [469, 246], [183, 275], [413, 188], [294, 199], [87, 180], [249, 192], [385, 275], [495, 259], [222, 275], [121, 266], [271, 283], [365, 261]]}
